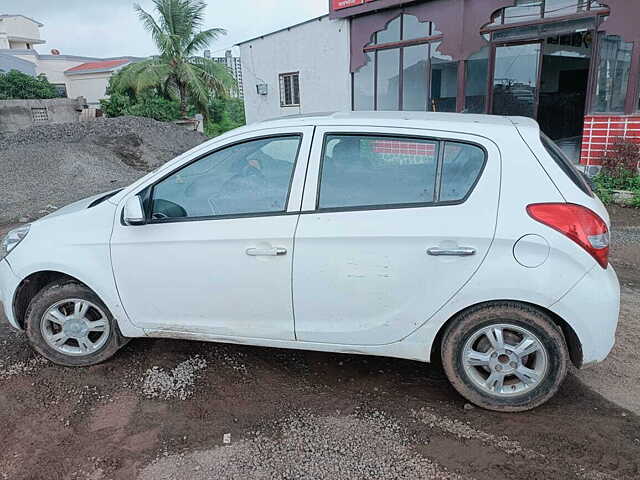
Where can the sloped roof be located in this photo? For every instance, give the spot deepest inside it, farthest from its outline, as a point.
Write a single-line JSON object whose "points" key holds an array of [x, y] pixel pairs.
{"points": [[5, 15], [98, 67]]}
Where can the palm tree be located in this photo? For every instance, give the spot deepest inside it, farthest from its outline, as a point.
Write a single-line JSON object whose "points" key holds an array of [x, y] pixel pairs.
{"points": [[178, 72]]}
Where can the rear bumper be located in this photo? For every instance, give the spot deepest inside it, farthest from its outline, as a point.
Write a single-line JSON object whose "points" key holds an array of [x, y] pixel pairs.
{"points": [[8, 285], [592, 309]]}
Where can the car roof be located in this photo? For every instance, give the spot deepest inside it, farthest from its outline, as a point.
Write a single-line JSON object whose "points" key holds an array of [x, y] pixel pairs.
{"points": [[460, 122]]}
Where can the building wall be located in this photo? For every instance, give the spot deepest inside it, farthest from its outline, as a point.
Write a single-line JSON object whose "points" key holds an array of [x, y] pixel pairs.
{"points": [[318, 49], [54, 66], [92, 86], [20, 27], [601, 132], [9, 62], [17, 114]]}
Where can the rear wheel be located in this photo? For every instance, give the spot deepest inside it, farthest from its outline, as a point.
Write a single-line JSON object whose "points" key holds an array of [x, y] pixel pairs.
{"points": [[507, 357], [69, 325]]}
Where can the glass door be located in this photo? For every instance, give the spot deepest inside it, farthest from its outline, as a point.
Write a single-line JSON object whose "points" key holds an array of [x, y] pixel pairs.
{"points": [[516, 75]]}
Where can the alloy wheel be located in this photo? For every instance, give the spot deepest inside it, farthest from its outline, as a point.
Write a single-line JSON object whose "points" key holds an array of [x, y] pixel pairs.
{"points": [[505, 360], [75, 327]]}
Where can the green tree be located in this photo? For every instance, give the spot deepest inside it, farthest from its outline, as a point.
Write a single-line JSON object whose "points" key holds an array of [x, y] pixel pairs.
{"points": [[18, 85], [227, 114], [178, 72]]}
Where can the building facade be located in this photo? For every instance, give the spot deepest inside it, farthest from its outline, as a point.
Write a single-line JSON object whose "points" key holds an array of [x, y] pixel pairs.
{"points": [[73, 76], [302, 69], [573, 65], [235, 67]]}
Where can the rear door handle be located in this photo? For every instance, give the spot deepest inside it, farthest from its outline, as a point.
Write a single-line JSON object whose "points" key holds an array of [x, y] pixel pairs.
{"points": [[452, 252], [266, 252]]}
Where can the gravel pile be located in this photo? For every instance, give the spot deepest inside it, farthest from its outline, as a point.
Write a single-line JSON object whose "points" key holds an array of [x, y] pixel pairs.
{"points": [[309, 447], [176, 383], [46, 167]]}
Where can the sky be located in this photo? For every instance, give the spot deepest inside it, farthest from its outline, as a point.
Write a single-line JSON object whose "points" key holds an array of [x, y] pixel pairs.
{"points": [[110, 28]]}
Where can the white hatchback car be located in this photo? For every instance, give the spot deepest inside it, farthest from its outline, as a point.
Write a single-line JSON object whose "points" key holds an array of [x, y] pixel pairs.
{"points": [[465, 238]]}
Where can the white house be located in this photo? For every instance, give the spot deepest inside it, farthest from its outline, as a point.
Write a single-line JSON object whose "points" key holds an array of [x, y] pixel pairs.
{"points": [[282, 75], [73, 76]]}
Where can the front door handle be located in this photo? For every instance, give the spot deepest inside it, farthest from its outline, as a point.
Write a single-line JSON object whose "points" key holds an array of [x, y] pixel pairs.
{"points": [[266, 252], [452, 252]]}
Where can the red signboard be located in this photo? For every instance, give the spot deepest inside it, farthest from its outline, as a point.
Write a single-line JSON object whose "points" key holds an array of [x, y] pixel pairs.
{"points": [[340, 4]]}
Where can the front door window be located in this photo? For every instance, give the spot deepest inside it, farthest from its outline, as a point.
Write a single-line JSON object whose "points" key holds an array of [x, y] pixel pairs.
{"points": [[248, 178]]}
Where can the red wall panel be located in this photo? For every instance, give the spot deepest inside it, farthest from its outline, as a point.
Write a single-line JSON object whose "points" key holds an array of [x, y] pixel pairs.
{"points": [[601, 131]]}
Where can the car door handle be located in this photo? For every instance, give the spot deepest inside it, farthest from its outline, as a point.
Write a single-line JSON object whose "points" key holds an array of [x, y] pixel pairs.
{"points": [[452, 252], [266, 252]]}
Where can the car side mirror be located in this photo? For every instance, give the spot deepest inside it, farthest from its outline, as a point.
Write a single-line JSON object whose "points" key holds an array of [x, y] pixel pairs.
{"points": [[133, 213]]}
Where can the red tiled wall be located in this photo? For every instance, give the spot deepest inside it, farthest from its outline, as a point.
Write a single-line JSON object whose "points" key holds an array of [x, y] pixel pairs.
{"points": [[601, 131]]}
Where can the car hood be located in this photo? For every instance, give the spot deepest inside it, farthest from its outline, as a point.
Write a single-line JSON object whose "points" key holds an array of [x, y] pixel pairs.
{"points": [[82, 204]]}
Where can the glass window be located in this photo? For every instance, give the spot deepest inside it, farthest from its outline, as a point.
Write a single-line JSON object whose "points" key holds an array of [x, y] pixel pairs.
{"points": [[414, 78], [477, 71], [391, 33], [362, 171], [524, 10], [462, 165], [412, 28], [559, 8], [444, 81], [388, 80], [251, 177], [289, 89], [612, 75], [363, 85], [565, 164], [515, 79]]}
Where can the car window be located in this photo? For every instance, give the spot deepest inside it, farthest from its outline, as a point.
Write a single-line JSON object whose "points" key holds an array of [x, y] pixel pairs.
{"points": [[462, 165], [250, 177], [364, 170], [565, 164]]}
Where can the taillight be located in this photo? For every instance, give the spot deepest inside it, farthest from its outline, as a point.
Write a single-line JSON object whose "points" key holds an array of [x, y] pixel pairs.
{"points": [[580, 224]]}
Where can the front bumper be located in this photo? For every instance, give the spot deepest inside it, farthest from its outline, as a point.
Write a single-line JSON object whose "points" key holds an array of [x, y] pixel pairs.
{"points": [[8, 285], [592, 309]]}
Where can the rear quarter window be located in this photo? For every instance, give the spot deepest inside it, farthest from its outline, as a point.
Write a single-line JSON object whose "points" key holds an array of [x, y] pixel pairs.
{"points": [[566, 165]]}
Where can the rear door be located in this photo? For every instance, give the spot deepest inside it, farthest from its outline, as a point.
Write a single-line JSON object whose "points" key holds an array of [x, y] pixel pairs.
{"points": [[394, 223]]}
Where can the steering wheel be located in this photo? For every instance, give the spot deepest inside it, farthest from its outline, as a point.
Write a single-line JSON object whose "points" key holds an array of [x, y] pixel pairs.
{"points": [[165, 209]]}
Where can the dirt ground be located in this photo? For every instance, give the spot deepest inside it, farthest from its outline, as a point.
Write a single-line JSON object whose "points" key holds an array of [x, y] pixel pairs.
{"points": [[162, 409]]}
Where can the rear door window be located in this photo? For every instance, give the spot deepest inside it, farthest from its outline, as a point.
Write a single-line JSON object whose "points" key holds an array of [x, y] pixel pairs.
{"points": [[378, 171]]}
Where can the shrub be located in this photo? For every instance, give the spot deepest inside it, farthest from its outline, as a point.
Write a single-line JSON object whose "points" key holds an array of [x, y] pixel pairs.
{"points": [[116, 105], [622, 159], [147, 104], [16, 85], [155, 107]]}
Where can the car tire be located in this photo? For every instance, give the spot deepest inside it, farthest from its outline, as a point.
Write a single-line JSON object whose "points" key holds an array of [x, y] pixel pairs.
{"points": [[68, 324], [494, 375]]}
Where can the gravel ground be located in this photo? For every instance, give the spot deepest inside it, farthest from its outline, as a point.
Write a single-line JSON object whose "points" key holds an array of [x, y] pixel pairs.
{"points": [[169, 409], [46, 167], [306, 446]]}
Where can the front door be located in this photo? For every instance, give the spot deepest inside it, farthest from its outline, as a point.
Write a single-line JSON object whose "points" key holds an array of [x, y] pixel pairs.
{"points": [[215, 256], [394, 225]]}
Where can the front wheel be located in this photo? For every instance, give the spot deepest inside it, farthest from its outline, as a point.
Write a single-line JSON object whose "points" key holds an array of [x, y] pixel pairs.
{"points": [[68, 324], [506, 357]]}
